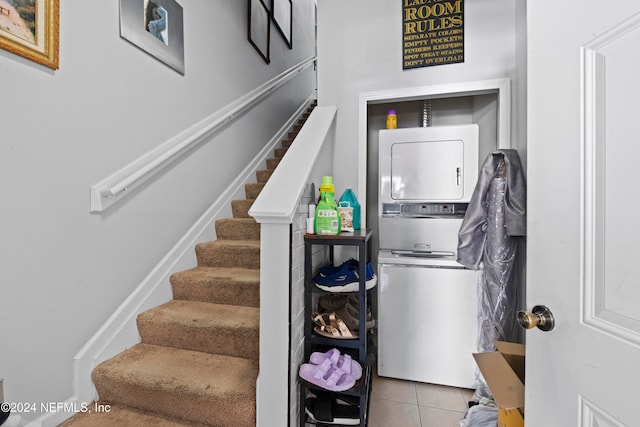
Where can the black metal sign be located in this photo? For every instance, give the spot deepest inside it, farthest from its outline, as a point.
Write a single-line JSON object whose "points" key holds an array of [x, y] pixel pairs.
{"points": [[432, 32]]}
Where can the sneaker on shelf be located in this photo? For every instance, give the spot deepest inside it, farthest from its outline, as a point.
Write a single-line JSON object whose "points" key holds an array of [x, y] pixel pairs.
{"points": [[330, 270], [346, 279]]}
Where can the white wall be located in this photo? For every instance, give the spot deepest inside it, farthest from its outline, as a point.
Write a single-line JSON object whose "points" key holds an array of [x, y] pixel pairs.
{"points": [[63, 271], [360, 50]]}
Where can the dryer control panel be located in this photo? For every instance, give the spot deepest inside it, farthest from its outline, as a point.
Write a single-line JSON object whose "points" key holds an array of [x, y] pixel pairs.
{"points": [[424, 210]]}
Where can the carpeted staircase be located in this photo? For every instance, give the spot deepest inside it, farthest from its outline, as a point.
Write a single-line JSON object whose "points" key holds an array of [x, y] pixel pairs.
{"points": [[197, 363]]}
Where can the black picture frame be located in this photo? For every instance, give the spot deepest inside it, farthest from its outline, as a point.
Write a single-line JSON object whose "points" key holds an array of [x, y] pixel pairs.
{"points": [[259, 28], [282, 13]]}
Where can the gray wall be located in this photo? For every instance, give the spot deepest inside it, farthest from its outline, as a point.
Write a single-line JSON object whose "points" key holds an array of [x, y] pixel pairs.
{"points": [[64, 271], [360, 51]]}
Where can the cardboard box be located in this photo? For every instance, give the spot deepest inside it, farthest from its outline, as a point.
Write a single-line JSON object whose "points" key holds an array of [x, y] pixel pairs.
{"points": [[503, 370]]}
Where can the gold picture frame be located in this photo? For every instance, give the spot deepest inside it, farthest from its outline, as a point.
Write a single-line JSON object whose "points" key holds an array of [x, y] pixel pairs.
{"points": [[30, 28]]}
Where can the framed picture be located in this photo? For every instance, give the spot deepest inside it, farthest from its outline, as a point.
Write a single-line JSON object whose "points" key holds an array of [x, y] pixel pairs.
{"points": [[281, 11], [260, 28], [267, 5], [155, 26], [30, 28]]}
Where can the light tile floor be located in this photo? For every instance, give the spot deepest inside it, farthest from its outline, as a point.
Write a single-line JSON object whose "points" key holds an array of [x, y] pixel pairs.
{"points": [[408, 404], [396, 403]]}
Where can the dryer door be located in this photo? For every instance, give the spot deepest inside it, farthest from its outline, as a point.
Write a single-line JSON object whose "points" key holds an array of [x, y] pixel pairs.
{"points": [[437, 164]]}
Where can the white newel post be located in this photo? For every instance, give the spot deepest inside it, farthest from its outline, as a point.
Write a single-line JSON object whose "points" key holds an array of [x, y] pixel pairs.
{"points": [[275, 208], [273, 381]]}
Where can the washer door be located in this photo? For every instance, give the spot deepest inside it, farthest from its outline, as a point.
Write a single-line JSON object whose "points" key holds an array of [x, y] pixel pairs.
{"points": [[427, 324]]}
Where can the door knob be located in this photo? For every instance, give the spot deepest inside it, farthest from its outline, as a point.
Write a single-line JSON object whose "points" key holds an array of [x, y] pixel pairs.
{"points": [[539, 316]]}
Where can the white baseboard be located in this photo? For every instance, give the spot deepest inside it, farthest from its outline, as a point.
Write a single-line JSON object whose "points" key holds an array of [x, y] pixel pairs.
{"points": [[120, 332], [14, 420]]}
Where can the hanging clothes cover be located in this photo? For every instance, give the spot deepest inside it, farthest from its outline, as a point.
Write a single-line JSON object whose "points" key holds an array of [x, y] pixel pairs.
{"points": [[488, 240], [471, 238]]}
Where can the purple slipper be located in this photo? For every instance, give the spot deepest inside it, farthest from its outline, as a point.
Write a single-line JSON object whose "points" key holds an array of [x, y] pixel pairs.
{"points": [[326, 376], [342, 361]]}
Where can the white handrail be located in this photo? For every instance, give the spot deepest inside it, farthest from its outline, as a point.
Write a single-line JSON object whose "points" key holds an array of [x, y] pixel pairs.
{"points": [[277, 202], [112, 188]]}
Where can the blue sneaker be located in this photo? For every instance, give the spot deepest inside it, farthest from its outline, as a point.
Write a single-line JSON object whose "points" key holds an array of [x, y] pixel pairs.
{"points": [[346, 278], [330, 270]]}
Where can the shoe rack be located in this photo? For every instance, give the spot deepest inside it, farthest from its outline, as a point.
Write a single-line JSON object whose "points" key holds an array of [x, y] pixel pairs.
{"points": [[360, 348]]}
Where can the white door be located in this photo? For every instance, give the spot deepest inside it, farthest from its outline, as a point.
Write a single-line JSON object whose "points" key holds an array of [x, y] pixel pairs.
{"points": [[583, 256]]}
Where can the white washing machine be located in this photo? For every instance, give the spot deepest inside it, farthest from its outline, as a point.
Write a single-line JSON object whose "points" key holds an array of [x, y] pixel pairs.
{"points": [[427, 319]]}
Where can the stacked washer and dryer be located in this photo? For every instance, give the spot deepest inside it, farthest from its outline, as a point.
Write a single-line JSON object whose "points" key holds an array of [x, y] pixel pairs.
{"points": [[427, 302]]}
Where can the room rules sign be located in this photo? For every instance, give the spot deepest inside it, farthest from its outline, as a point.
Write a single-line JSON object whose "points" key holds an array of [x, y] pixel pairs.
{"points": [[432, 32]]}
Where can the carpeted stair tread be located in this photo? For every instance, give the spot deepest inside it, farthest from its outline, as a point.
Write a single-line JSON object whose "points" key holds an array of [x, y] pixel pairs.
{"points": [[218, 285], [122, 416], [271, 164], [229, 253], [237, 229], [212, 328], [240, 208], [279, 153], [252, 190], [263, 175], [191, 385]]}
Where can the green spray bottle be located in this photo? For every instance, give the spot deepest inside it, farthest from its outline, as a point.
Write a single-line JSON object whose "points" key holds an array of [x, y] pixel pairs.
{"points": [[327, 217]]}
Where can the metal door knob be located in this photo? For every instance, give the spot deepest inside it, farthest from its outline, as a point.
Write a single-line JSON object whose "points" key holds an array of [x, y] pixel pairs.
{"points": [[539, 316]]}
